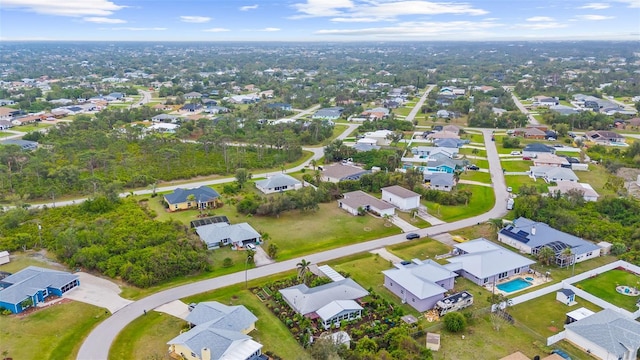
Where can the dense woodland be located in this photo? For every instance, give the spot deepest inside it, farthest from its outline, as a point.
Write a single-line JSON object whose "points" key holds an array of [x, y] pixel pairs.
{"points": [[116, 237]]}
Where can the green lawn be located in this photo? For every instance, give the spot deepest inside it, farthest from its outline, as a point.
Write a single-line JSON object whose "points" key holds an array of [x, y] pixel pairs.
{"points": [[604, 287], [529, 313], [474, 138], [20, 260], [479, 176], [481, 201], [3, 134], [29, 128], [597, 177], [516, 181], [55, 332], [415, 221], [482, 164], [469, 151], [569, 153], [404, 111], [419, 249], [146, 337], [517, 165]]}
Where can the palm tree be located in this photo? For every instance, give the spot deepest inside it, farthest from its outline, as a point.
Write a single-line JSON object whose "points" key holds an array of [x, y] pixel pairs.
{"points": [[567, 255], [546, 255], [303, 270], [496, 224]]}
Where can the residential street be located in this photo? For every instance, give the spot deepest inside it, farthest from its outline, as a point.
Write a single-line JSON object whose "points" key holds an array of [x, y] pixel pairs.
{"points": [[532, 120], [418, 106], [97, 344]]}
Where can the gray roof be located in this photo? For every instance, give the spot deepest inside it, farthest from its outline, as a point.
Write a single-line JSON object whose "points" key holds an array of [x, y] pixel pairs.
{"points": [[399, 191], [609, 330], [202, 194], [358, 198], [234, 318], [212, 234], [24, 144], [485, 259], [30, 280], [218, 341], [450, 143], [329, 112], [554, 172], [305, 300], [420, 279], [277, 180], [439, 178], [361, 147], [563, 109], [521, 229], [343, 172], [336, 307], [566, 292], [161, 117], [538, 147]]}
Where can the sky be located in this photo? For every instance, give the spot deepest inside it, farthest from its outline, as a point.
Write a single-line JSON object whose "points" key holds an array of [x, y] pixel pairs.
{"points": [[318, 20]]}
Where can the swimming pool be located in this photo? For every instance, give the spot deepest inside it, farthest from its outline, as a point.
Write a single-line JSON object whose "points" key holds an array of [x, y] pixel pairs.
{"points": [[514, 285]]}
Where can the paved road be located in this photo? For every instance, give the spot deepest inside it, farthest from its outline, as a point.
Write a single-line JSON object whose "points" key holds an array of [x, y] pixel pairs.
{"points": [[146, 98], [418, 106], [532, 120], [97, 344]]}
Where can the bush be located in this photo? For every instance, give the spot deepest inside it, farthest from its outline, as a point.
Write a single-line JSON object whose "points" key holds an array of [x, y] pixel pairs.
{"points": [[227, 262], [510, 142], [454, 322]]}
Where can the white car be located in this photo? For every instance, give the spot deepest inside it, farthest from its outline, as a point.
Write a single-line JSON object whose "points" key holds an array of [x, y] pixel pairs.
{"points": [[516, 153], [251, 247]]}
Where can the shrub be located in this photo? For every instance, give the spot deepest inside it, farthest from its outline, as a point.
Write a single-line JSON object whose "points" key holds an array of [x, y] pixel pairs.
{"points": [[454, 322]]}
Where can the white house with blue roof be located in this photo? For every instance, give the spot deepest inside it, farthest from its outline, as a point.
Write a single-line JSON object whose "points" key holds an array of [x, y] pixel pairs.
{"points": [[32, 286], [218, 332], [530, 237]]}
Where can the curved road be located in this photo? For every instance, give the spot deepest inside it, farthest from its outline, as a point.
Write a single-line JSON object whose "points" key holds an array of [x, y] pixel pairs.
{"points": [[97, 344]]}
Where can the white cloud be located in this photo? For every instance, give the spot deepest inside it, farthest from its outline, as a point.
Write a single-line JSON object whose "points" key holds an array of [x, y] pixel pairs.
{"points": [[342, 10], [103, 20], [541, 26], [630, 3], [248, 7], [216, 30], [195, 19], [470, 29], [594, 17], [540, 18], [66, 7], [127, 28], [270, 29], [595, 6]]}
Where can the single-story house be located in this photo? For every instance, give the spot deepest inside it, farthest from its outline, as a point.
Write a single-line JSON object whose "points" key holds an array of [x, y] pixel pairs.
{"points": [[25, 145], [443, 135], [116, 95], [339, 172], [547, 159], [553, 173], [217, 235], [484, 262], [444, 114], [534, 149], [449, 143], [191, 107], [7, 113], [443, 165], [400, 197], [563, 109], [278, 183], [419, 284], [23, 120], [182, 199], [427, 151], [530, 236], [163, 127], [330, 303], [332, 113], [440, 180], [280, 106], [604, 137], [5, 124], [4, 102], [32, 286], [365, 146], [166, 118], [530, 133], [355, 200], [545, 101], [192, 95], [4, 257], [606, 334], [564, 187], [566, 296], [380, 136], [219, 332]]}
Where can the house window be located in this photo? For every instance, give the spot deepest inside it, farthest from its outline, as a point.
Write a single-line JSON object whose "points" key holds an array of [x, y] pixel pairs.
{"points": [[485, 280], [193, 354], [589, 253], [188, 204], [401, 291], [413, 299], [516, 271], [503, 275], [175, 206]]}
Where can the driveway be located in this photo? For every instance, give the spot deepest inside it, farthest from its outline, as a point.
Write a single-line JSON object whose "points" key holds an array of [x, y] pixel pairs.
{"points": [[402, 224], [260, 258], [386, 255], [175, 308], [99, 292]]}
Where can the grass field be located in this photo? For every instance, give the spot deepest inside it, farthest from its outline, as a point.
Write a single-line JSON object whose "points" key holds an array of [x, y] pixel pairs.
{"points": [[29, 128], [474, 138], [554, 313], [55, 332], [482, 177], [597, 177], [146, 337], [516, 181], [604, 287], [419, 249], [517, 165], [481, 201], [469, 151]]}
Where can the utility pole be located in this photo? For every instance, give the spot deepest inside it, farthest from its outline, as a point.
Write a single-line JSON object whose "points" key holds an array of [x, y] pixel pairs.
{"points": [[40, 233]]}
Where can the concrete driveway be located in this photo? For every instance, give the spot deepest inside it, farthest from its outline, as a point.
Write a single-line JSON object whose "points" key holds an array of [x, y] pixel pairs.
{"points": [[175, 308], [261, 258], [99, 292]]}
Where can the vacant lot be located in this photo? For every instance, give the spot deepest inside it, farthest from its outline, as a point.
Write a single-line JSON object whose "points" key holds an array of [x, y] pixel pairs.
{"points": [[517, 181], [481, 201], [516, 165], [55, 332], [478, 176], [147, 337], [604, 287], [419, 249]]}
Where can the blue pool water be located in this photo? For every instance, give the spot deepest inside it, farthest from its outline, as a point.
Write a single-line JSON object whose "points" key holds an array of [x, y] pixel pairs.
{"points": [[514, 285]]}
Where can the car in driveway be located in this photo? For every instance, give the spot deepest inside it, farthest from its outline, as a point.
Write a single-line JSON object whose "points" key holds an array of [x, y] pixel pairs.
{"points": [[473, 167], [516, 153], [509, 189], [251, 247], [411, 236]]}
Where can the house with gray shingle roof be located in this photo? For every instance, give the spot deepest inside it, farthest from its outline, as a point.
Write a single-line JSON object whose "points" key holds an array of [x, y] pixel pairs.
{"points": [[200, 198], [553, 173], [531, 236], [419, 284], [440, 181], [220, 234], [219, 332], [35, 284], [278, 183], [339, 172], [354, 200], [332, 113], [330, 303], [606, 335], [484, 262]]}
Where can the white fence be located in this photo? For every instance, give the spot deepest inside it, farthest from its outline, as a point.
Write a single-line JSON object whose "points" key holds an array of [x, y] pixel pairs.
{"points": [[555, 338]]}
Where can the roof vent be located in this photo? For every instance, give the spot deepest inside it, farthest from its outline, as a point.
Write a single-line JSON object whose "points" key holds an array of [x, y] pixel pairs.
{"points": [[533, 230]]}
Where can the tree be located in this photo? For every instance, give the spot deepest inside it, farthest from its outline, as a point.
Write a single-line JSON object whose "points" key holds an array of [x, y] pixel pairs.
{"points": [[303, 270], [567, 256], [454, 322], [618, 248], [242, 176], [251, 254], [496, 224], [272, 250], [546, 255], [366, 345]]}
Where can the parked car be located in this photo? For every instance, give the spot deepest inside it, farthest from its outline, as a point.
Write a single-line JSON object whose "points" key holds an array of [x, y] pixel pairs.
{"points": [[516, 153], [411, 236], [561, 353], [473, 167], [526, 158], [405, 262], [509, 189], [558, 145], [251, 247]]}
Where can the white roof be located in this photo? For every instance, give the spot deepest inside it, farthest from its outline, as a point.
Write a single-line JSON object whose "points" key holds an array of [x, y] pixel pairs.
{"points": [[485, 259], [579, 314], [4, 253], [420, 279], [330, 273], [336, 307]]}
